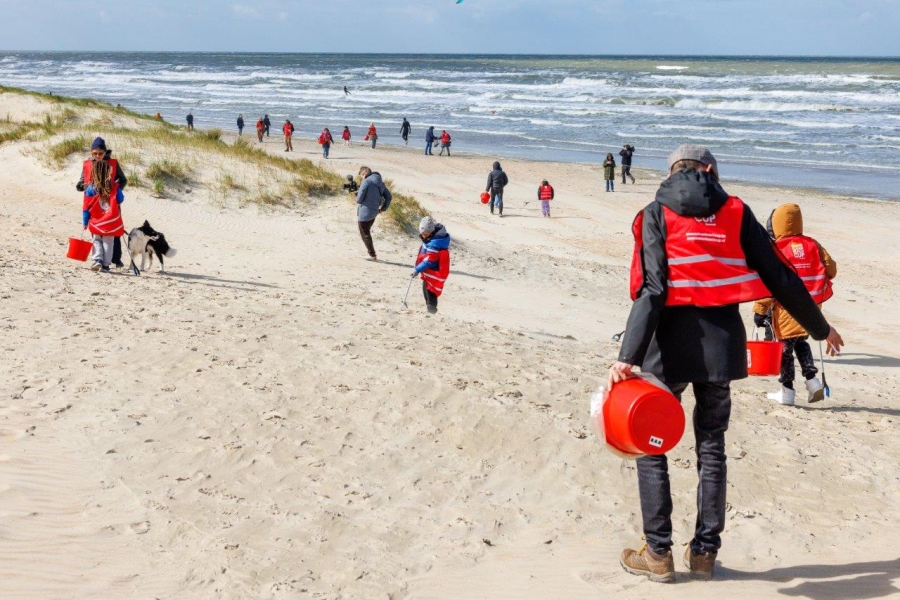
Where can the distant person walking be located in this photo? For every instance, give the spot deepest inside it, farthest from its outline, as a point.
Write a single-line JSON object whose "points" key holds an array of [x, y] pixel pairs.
{"points": [[372, 136], [325, 140], [240, 125], [609, 172], [404, 131], [626, 153], [346, 136], [372, 199], [429, 141], [545, 195], [445, 142], [268, 123], [190, 121], [260, 129], [496, 181], [288, 130]]}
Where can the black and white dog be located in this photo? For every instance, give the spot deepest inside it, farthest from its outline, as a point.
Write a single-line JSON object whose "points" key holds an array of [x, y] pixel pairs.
{"points": [[144, 241]]}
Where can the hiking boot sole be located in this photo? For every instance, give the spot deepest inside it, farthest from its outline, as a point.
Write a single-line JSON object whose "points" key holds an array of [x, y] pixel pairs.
{"points": [[664, 578]]}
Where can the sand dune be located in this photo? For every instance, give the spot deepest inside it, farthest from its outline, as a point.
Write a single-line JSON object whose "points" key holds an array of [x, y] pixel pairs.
{"points": [[265, 420]]}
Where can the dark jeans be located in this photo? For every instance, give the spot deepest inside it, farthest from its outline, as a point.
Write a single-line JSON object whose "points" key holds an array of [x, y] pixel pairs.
{"points": [[497, 200], [804, 354], [711, 414], [428, 146], [626, 172], [365, 232], [447, 148], [430, 297]]}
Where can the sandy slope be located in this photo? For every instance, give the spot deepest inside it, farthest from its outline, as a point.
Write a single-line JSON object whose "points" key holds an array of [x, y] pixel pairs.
{"points": [[266, 421]]}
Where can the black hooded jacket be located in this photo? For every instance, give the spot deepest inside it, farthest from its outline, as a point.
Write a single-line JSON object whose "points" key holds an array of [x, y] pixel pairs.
{"points": [[686, 344], [497, 179]]}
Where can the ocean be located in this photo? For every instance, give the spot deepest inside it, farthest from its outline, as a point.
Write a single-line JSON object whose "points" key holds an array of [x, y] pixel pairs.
{"points": [[830, 124]]}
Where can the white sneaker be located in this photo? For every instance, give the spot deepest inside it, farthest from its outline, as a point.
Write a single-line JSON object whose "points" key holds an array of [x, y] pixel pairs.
{"points": [[785, 396], [816, 390]]}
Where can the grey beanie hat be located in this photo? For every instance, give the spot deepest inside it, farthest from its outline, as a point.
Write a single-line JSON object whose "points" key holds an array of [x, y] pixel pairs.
{"points": [[696, 153], [427, 225]]}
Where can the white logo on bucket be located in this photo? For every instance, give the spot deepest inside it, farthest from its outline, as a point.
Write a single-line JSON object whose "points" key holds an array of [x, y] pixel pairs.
{"points": [[656, 442], [749, 359]]}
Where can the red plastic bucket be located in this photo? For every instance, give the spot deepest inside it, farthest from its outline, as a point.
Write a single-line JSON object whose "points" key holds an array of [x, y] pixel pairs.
{"points": [[79, 249], [485, 198], [764, 358], [640, 417]]}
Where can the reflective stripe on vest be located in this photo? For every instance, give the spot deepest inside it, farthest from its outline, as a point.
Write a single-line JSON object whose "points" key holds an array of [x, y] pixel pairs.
{"points": [[706, 262], [546, 192], [804, 256]]}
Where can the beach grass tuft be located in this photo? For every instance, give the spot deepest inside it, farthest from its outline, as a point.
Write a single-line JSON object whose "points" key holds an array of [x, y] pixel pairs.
{"points": [[57, 153]]}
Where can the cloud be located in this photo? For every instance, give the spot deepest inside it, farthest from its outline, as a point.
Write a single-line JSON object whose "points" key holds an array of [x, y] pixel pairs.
{"points": [[866, 17], [283, 16], [244, 12]]}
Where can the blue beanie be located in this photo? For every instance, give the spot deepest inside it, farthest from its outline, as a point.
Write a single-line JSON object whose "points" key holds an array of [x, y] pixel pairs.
{"points": [[98, 143]]}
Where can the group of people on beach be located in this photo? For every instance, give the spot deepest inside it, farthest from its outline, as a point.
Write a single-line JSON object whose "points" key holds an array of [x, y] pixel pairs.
{"points": [[699, 253]]}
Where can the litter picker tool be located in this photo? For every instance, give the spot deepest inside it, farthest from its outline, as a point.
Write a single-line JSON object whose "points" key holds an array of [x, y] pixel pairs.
{"points": [[822, 363], [618, 336], [406, 295]]}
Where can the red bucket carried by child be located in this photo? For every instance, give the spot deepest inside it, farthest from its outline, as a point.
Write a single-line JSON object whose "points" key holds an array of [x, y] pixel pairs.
{"points": [[637, 417], [79, 249], [485, 197], [764, 358]]}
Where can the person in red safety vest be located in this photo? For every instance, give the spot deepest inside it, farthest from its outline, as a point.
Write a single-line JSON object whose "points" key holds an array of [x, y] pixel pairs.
{"points": [[101, 213], [445, 142], [288, 129], [816, 269], [99, 152], [699, 252], [545, 195], [433, 261], [326, 140]]}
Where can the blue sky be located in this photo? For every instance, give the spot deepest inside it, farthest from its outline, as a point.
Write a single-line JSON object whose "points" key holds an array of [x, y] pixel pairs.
{"points": [[789, 27]]}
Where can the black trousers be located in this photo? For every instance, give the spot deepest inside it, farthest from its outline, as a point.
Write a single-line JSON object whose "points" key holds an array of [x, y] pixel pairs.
{"points": [[365, 232], [117, 250], [712, 412], [800, 347], [430, 297], [626, 172]]}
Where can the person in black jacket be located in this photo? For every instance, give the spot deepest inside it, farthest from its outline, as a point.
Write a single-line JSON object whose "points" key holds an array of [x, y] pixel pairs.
{"points": [[268, 124], [429, 141], [404, 131], [626, 153], [706, 347], [240, 125], [496, 181]]}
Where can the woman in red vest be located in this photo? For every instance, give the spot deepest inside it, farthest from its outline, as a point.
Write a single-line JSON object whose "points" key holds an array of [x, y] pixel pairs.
{"points": [[326, 140], [372, 135], [816, 269], [101, 213], [346, 136], [99, 152]]}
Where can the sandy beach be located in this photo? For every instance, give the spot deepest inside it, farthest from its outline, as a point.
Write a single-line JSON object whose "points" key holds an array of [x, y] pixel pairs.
{"points": [[265, 420]]}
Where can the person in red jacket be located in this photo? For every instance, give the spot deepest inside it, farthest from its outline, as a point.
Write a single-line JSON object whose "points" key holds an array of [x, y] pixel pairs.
{"points": [[260, 129], [288, 130], [346, 135], [372, 135], [545, 195], [325, 140], [433, 262], [445, 143]]}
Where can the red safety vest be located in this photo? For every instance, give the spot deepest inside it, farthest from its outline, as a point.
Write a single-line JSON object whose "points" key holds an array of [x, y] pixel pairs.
{"points": [[435, 278], [105, 222], [546, 192], [803, 254], [288, 129], [86, 169], [445, 138], [706, 263]]}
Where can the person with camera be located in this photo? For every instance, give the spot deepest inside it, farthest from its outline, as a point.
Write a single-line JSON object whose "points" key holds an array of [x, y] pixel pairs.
{"points": [[626, 153]]}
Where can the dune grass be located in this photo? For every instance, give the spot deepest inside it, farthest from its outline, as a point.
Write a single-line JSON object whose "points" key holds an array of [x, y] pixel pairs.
{"points": [[166, 149], [57, 153]]}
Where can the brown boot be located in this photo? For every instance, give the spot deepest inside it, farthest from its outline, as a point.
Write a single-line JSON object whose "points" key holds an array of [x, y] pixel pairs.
{"points": [[657, 567], [701, 565]]}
